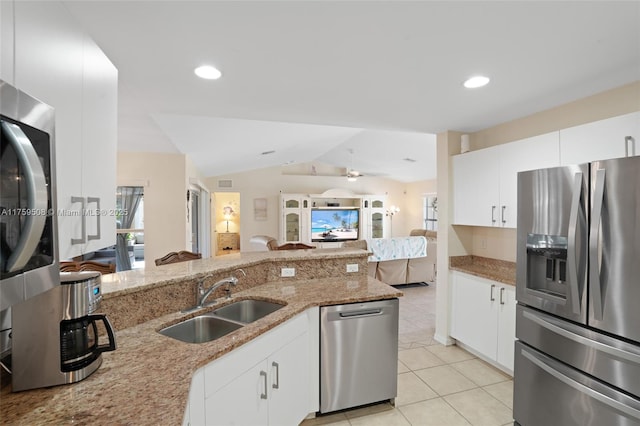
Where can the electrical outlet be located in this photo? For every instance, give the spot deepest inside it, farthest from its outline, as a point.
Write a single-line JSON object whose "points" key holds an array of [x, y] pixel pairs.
{"points": [[288, 272], [483, 243], [352, 267]]}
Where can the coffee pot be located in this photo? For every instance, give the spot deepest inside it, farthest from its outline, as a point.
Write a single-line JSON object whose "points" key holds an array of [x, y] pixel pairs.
{"points": [[55, 337]]}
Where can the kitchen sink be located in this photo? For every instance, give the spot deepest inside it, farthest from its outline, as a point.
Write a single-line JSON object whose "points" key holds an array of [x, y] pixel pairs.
{"points": [[246, 311], [200, 329]]}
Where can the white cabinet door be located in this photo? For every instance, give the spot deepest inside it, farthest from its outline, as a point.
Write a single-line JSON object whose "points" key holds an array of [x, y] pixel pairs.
{"points": [[537, 152], [267, 378], [99, 140], [476, 177], [56, 62], [289, 379], [195, 412], [484, 317], [296, 220], [244, 401], [475, 313], [600, 140], [6, 41], [48, 66], [506, 326]]}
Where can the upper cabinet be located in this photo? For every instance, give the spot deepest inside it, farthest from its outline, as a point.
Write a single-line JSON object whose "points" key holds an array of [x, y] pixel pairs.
{"points": [[476, 184], [6, 41], [601, 140], [56, 62], [485, 181]]}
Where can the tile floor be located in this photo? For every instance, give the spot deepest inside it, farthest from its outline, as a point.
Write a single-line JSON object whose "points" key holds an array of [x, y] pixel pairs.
{"points": [[437, 385]]}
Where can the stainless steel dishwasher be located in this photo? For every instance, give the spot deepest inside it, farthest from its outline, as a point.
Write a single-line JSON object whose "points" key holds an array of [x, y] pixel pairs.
{"points": [[358, 354]]}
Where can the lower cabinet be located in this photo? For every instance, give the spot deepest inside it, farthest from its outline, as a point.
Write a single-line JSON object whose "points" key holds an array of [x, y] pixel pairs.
{"points": [[484, 317], [268, 381]]}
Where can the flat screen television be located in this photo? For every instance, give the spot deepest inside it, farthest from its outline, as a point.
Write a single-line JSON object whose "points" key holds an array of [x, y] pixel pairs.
{"points": [[334, 224]]}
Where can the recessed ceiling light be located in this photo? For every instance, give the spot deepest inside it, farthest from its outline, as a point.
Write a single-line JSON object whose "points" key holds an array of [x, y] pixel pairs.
{"points": [[476, 81], [208, 72]]}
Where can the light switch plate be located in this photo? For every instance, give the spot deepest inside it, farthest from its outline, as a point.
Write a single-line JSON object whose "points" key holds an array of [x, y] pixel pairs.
{"points": [[352, 267]]}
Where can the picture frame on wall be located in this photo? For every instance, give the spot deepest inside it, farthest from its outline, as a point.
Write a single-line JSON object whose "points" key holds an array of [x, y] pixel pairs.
{"points": [[260, 209]]}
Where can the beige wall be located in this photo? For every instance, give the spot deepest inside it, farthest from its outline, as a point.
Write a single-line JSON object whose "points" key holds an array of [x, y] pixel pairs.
{"points": [[163, 176], [270, 182], [619, 101]]}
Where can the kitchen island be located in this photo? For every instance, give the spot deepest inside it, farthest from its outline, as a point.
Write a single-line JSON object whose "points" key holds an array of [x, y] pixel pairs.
{"points": [[147, 379]]}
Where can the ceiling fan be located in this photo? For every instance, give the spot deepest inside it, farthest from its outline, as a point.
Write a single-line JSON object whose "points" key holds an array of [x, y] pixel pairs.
{"points": [[352, 175]]}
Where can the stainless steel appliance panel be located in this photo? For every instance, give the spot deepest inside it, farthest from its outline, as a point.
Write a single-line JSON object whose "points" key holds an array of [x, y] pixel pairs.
{"points": [[358, 354], [551, 393], [552, 240], [611, 360], [614, 247], [40, 273]]}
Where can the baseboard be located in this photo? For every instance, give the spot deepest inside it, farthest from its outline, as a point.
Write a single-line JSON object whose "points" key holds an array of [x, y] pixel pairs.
{"points": [[485, 358], [444, 340]]}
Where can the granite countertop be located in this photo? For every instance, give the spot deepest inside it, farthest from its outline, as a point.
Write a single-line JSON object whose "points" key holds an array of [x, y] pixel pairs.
{"points": [[139, 279], [493, 269], [146, 380]]}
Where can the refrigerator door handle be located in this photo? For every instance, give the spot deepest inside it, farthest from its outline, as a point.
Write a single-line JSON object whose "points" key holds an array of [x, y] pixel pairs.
{"points": [[594, 245], [605, 399], [567, 334], [572, 262], [629, 140]]}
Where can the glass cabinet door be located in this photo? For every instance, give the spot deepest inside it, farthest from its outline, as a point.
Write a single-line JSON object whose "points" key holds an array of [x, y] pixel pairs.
{"points": [[377, 225], [292, 204], [292, 226]]}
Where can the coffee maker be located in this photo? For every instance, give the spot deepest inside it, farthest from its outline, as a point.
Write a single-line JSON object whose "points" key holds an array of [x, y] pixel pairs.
{"points": [[55, 334]]}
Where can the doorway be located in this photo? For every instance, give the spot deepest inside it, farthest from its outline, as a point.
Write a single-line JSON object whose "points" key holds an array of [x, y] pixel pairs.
{"points": [[226, 226], [195, 221], [198, 225]]}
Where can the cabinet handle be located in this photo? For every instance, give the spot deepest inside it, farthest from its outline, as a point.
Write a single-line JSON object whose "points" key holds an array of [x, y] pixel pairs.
{"points": [[501, 295], [97, 201], [276, 385], [83, 222], [502, 215], [493, 214], [491, 297], [264, 375], [629, 140]]}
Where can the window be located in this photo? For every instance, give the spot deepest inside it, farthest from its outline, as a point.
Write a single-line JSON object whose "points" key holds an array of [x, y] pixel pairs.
{"points": [[130, 224], [430, 212]]}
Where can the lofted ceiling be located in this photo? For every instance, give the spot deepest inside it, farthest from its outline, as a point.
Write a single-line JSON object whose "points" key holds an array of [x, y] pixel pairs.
{"points": [[316, 80]]}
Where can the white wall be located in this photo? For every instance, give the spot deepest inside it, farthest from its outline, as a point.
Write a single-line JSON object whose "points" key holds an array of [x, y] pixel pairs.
{"points": [[270, 182]]}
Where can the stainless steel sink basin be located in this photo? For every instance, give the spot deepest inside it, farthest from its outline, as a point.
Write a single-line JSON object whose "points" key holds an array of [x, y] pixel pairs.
{"points": [[200, 329], [247, 311]]}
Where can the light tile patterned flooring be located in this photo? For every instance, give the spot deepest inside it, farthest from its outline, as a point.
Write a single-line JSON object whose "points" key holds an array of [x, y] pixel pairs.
{"points": [[437, 385]]}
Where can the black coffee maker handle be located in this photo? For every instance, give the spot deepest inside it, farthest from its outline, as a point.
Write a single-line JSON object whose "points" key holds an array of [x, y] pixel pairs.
{"points": [[108, 347]]}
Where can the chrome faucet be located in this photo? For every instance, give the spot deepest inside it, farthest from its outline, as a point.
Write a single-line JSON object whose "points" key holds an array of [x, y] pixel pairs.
{"points": [[232, 280]]}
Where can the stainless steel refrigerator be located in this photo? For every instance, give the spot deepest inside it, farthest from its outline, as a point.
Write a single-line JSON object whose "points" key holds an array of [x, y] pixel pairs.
{"points": [[577, 354]]}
